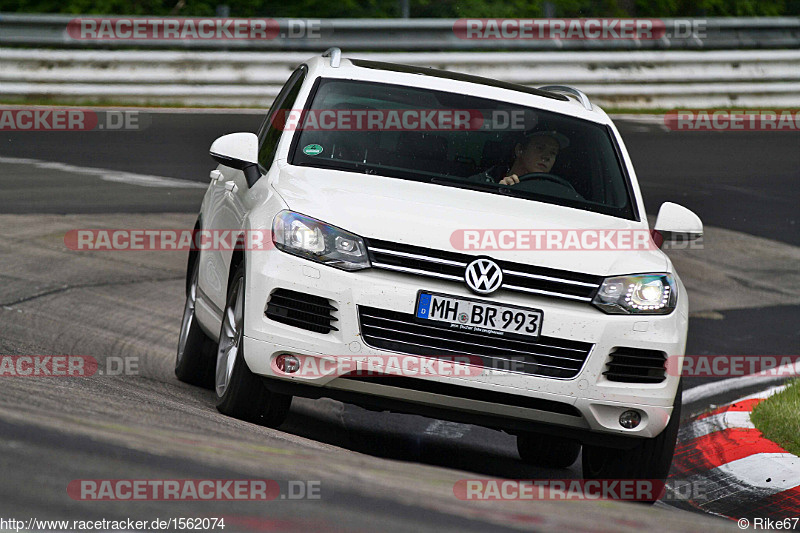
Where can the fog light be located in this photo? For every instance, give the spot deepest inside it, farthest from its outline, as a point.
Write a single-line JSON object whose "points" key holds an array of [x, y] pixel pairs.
{"points": [[287, 363], [630, 419]]}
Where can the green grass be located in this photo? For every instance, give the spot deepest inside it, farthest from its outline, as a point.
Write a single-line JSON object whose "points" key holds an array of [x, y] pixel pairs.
{"points": [[778, 418]]}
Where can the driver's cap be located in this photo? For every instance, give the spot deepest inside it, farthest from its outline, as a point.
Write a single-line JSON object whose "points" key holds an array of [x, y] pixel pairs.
{"points": [[562, 140]]}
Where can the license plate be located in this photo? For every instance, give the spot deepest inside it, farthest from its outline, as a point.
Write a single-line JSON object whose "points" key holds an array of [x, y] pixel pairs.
{"points": [[479, 316]]}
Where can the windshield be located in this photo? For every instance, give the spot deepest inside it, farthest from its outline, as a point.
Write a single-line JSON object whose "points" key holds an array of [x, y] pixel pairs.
{"points": [[457, 140]]}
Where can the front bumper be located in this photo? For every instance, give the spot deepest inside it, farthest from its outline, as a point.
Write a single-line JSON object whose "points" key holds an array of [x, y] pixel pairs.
{"points": [[597, 401]]}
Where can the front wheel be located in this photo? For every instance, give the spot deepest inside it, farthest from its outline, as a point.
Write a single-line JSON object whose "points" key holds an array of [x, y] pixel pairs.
{"points": [[240, 393], [650, 459], [194, 362]]}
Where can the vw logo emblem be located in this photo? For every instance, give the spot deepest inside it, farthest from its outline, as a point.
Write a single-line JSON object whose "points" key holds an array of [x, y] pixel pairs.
{"points": [[483, 276]]}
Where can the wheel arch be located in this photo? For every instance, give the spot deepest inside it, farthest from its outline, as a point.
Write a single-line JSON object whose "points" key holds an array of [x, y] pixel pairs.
{"points": [[194, 253], [237, 258]]}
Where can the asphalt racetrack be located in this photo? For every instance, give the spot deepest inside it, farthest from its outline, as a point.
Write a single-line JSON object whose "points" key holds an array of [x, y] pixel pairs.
{"points": [[375, 471]]}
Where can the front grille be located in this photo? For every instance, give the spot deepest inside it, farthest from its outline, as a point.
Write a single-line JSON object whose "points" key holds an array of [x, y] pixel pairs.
{"points": [[400, 332], [635, 365], [450, 266], [301, 310], [470, 393]]}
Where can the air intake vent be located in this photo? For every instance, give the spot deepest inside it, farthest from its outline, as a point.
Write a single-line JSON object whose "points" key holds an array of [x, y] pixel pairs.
{"points": [[301, 310], [402, 333], [634, 365], [459, 391]]}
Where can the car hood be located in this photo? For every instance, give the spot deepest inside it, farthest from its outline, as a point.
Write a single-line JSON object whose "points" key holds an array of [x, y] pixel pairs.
{"points": [[432, 216]]}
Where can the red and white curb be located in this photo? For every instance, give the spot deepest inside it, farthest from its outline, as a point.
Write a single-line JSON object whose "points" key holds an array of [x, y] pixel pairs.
{"points": [[742, 473]]}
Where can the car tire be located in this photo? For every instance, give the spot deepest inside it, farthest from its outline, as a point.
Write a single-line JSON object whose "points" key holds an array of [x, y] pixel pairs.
{"points": [[195, 359], [547, 451], [651, 459], [240, 393]]}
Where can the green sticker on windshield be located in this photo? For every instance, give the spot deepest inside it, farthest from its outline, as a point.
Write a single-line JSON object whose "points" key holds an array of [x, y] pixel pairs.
{"points": [[312, 149]]}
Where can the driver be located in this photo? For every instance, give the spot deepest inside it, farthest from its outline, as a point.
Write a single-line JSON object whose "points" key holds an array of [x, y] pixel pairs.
{"points": [[536, 153]]}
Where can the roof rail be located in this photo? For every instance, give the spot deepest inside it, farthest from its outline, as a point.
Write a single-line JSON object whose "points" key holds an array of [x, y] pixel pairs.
{"points": [[569, 90], [335, 54]]}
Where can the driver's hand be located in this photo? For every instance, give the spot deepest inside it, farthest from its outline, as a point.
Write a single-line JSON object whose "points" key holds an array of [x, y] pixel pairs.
{"points": [[510, 180]]}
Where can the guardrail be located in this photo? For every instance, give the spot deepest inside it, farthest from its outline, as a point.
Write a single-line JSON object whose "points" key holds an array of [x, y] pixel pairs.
{"points": [[423, 34], [636, 79]]}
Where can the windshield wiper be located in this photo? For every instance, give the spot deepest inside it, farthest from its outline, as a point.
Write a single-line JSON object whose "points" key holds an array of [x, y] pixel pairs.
{"points": [[339, 164], [473, 185]]}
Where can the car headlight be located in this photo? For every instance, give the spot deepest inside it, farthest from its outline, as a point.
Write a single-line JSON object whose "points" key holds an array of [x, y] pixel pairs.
{"points": [[309, 238], [644, 294]]}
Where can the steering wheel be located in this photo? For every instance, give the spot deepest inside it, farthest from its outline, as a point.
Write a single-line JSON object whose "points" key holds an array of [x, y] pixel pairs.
{"points": [[545, 176]]}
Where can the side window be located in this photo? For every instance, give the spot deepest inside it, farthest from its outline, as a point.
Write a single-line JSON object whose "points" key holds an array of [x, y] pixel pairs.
{"points": [[268, 134]]}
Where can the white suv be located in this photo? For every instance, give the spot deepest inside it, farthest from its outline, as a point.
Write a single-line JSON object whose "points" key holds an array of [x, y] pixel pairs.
{"points": [[564, 347]]}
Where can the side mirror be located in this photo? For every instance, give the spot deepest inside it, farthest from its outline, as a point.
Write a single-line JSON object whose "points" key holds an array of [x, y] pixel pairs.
{"points": [[676, 223], [239, 151]]}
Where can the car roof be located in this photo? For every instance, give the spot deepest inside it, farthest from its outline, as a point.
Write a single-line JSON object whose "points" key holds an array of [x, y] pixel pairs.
{"points": [[573, 103], [449, 75]]}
